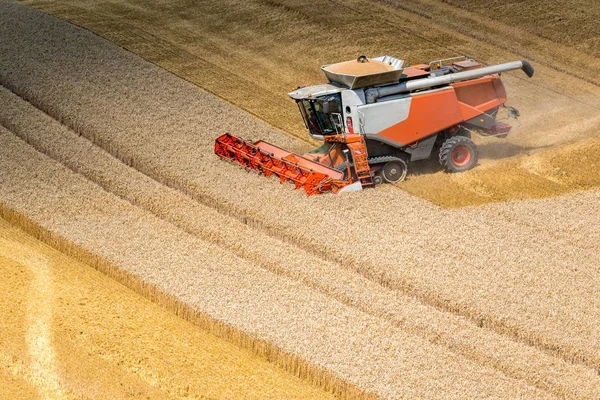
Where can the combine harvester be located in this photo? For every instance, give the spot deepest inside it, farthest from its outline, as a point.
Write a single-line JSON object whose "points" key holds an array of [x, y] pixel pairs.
{"points": [[375, 116]]}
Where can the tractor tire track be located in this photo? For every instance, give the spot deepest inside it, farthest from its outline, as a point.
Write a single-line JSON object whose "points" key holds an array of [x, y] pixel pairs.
{"points": [[379, 300], [420, 19], [168, 55], [111, 343], [41, 371], [449, 16], [331, 254], [571, 18], [39, 337]]}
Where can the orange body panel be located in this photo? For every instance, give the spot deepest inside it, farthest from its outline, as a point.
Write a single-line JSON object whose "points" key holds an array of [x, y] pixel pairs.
{"points": [[334, 156], [433, 112], [331, 158], [479, 95], [429, 113], [415, 72], [466, 65], [296, 160]]}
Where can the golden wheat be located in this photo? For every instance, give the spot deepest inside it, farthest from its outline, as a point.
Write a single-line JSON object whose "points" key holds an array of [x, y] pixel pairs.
{"points": [[108, 342], [170, 127], [283, 43], [275, 316], [458, 264], [486, 348]]}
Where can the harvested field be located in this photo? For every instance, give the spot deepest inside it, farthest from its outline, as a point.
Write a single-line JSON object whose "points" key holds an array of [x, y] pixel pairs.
{"points": [[575, 25], [72, 332], [569, 167], [253, 54], [434, 302]]}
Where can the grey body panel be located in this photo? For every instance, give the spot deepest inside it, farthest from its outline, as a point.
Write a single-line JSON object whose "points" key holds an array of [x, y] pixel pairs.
{"points": [[354, 97], [393, 61], [423, 149], [380, 116], [350, 100]]}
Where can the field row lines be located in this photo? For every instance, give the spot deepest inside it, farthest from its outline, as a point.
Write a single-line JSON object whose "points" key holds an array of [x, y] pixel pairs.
{"points": [[504, 37], [163, 53], [387, 305], [421, 18]]}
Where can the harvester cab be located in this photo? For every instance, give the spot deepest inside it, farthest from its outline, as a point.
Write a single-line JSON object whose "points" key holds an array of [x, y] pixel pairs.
{"points": [[376, 116], [322, 114]]}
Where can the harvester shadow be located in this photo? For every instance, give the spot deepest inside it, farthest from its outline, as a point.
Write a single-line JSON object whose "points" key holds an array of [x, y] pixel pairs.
{"points": [[487, 151], [499, 150]]}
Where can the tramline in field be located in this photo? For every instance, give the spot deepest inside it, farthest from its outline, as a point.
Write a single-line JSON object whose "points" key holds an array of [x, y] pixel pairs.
{"points": [[376, 116]]}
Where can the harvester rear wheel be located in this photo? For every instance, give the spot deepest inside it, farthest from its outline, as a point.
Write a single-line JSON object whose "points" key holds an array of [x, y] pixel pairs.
{"points": [[458, 154]]}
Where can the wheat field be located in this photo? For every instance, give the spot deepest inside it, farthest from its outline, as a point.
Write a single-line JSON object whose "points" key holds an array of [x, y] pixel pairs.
{"points": [[74, 333], [381, 293], [53, 139], [289, 316], [252, 53]]}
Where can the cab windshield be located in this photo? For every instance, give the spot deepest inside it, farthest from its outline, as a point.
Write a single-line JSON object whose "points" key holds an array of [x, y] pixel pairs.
{"points": [[319, 116]]}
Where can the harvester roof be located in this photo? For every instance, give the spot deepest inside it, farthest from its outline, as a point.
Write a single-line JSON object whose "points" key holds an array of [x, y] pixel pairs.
{"points": [[315, 91]]}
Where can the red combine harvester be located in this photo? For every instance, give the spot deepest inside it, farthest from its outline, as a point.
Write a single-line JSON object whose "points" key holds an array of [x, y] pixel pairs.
{"points": [[376, 116]]}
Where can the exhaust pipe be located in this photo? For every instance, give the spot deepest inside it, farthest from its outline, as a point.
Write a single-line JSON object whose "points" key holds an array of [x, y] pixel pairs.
{"points": [[375, 93]]}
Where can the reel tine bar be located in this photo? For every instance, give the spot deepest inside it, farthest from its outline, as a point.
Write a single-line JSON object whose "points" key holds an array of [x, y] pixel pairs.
{"points": [[251, 157]]}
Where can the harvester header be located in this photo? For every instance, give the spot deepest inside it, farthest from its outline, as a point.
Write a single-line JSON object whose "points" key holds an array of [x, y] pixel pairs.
{"points": [[376, 116]]}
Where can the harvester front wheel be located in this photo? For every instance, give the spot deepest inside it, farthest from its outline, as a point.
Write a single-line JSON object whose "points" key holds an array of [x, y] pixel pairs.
{"points": [[377, 178], [394, 171], [458, 154]]}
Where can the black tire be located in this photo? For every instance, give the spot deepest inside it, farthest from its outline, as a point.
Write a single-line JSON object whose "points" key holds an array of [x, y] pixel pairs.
{"points": [[458, 154], [394, 171], [377, 179], [343, 167], [379, 175]]}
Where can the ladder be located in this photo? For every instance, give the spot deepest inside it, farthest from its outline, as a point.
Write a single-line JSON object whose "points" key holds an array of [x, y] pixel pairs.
{"points": [[361, 162], [358, 149]]}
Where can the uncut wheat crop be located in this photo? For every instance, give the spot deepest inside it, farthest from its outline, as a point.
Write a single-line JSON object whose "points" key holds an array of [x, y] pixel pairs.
{"points": [[525, 272]]}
